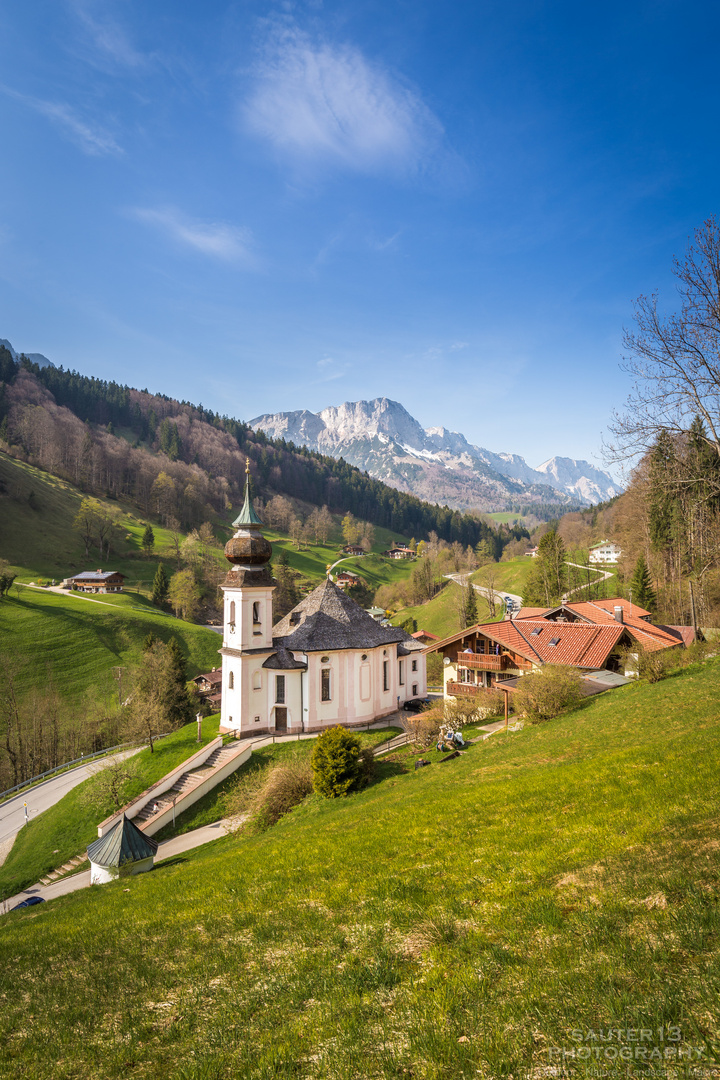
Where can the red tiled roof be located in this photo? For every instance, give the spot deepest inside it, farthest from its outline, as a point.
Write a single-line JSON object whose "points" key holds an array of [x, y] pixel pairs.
{"points": [[530, 613], [578, 644], [424, 634], [604, 610]]}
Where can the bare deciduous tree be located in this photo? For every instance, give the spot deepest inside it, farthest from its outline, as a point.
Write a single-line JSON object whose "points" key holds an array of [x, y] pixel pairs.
{"points": [[675, 359]]}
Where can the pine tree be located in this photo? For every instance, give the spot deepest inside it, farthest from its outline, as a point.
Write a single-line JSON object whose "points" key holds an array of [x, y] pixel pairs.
{"points": [[471, 611], [148, 539], [179, 705], [642, 591], [161, 586]]}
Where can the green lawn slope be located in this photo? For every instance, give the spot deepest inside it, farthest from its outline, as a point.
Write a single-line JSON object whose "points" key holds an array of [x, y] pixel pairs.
{"points": [[473, 918], [75, 642]]}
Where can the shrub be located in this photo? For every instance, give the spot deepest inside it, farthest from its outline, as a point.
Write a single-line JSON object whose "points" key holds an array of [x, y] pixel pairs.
{"points": [[424, 727], [464, 709], [545, 693], [491, 704], [265, 795], [336, 763]]}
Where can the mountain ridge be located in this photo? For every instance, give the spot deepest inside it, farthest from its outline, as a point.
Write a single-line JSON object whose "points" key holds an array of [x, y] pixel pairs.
{"points": [[381, 437]]}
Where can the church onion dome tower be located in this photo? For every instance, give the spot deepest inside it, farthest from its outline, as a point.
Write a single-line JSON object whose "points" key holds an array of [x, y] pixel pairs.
{"points": [[248, 550]]}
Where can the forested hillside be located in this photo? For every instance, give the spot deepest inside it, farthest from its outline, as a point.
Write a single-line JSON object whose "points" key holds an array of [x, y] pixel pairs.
{"points": [[175, 459]]}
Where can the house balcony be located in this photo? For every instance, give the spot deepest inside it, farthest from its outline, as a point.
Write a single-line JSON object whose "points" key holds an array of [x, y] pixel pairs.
{"points": [[457, 689], [482, 661]]}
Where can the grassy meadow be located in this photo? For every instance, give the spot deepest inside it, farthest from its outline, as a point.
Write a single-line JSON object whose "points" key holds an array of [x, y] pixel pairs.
{"points": [[440, 616], [470, 919], [75, 643]]}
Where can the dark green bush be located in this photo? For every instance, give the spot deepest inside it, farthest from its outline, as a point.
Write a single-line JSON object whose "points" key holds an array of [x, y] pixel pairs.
{"points": [[337, 763]]}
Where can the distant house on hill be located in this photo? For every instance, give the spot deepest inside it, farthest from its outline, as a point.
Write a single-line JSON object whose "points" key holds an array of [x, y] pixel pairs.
{"points": [[425, 637], [531, 553], [604, 552], [399, 552], [353, 549], [209, 686], [346, 580], [96, 581]]}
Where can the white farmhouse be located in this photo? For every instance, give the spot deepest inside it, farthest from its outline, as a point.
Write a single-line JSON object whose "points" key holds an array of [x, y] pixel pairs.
{"points": [[327, 662], [604, 552]]}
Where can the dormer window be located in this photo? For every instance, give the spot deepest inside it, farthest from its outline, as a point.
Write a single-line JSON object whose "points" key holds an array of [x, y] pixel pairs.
{"points": [[295, 617]]}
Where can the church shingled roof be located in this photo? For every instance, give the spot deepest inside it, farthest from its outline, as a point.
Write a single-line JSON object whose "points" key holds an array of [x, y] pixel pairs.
{"points": [[330, 620], [125, 843]]}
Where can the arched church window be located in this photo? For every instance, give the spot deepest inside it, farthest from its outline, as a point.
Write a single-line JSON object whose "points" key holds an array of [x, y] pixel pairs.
{"points": [[256, 613], [231, 681], [232, 611]]}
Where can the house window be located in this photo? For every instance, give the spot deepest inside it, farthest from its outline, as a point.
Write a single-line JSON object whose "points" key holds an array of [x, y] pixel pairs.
{"points": [[414, 690], [232, 612], [257, 719], [257, 680], [386, 674], [280, 689], [401, 673], [414, 665], [325, 684], [256, 613], [231, 681]]}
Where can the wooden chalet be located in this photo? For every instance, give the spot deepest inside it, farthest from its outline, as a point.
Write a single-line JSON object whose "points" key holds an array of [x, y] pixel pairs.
{"points": [[353, 549], [586, 636], [96, 581], [345, 579]]}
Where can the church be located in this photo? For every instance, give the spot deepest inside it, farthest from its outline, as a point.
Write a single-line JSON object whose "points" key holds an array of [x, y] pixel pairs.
{"points": [[326, 662]]}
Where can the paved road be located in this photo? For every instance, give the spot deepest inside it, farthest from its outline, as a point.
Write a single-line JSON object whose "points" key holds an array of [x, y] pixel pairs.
{"points": [[166, 850], [501, 594], [604, 575], [42, 796]]}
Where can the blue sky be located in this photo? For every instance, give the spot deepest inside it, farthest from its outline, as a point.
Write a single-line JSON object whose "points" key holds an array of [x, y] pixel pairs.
{"points": [[269, 206]]}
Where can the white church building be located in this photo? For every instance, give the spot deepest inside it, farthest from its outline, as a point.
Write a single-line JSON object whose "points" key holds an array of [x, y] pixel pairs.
{"points": [[326, 662]]}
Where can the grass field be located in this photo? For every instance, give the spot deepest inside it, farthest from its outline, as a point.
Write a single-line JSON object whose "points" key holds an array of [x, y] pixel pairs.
{"points": [[471, 919], [66, 829], [440, 615], [77, 642], [511, 575]]}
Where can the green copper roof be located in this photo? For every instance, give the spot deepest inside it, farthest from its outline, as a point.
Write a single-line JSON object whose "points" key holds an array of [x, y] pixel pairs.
{"points": [[247, 515], [125, 843]]}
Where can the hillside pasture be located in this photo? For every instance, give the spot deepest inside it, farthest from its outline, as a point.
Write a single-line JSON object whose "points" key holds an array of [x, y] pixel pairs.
{"points": [[74, 642], [558, 880]]}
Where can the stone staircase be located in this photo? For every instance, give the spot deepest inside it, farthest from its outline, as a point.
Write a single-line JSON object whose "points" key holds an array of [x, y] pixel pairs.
{"points": [[68, 868], [185, 783]]}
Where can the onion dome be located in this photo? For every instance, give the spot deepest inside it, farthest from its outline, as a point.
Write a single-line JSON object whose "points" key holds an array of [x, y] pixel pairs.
{"points": [[248, 549]]}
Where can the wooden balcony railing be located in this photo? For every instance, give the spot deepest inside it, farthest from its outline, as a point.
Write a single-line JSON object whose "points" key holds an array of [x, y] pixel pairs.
{"points": [[482, 661], [457, 688]]}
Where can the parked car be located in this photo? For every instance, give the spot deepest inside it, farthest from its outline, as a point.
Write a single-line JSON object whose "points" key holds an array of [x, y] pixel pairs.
{"points": [[30, 902], [416, 704]]}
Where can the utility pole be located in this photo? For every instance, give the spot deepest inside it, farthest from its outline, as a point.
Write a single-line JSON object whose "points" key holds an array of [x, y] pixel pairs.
{"points": [[117, 675]]}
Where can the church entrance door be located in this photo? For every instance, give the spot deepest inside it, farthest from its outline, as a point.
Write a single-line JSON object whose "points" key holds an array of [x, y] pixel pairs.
{"points": [[280, 720]]}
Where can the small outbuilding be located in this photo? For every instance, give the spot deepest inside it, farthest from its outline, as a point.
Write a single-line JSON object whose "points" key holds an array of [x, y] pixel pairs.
{"points": [[124, 847]]}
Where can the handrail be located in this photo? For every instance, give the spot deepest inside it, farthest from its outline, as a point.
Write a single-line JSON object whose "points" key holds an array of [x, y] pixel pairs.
{"points": [[78, 761]]}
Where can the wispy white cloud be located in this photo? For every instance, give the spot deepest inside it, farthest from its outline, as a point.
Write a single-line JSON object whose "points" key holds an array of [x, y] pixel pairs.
{"points": [[330, 369], [318, 101], [219, 240], [105, 34], [91, 138]]}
